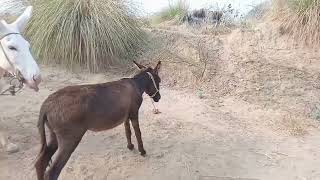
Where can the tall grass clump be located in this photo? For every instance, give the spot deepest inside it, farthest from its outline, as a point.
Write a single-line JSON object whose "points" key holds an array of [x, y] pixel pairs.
{"points": [[175, 11], [299, 18], [82, 33]]}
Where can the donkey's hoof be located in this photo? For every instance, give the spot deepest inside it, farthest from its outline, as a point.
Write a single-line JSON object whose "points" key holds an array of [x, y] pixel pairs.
{"points": [[12, 148], [143, 153], [130, 147]]}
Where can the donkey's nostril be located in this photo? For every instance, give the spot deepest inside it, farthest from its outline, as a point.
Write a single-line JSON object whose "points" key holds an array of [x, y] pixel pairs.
{"points": [[37, 79]]}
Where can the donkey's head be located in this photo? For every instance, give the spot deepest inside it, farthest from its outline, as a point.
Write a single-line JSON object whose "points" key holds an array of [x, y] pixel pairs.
{"points": [[152, 86], [15, 55]]}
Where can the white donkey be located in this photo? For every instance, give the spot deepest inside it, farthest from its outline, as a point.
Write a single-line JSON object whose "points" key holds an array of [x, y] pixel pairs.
{"points": [[16, 58]]}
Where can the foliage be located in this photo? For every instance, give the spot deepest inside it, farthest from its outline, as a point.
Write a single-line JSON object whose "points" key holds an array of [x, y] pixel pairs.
{"points": [[176, 11], [82, 33], [299, 18]]}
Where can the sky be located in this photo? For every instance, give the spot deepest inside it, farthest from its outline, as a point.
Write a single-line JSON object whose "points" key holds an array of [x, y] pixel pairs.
{"points": [[152, 6]]}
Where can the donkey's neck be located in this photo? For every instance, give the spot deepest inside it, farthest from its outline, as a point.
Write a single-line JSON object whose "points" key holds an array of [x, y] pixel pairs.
{"points": [[141, 80]]}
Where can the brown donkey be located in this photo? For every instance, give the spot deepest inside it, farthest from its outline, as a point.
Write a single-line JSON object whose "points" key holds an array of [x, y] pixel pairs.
{"points": [[71, 111]]}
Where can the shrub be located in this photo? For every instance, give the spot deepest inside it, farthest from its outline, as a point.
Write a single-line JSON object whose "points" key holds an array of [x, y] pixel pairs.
{"points": [[90, 34], [176, 11], [299, 18]]}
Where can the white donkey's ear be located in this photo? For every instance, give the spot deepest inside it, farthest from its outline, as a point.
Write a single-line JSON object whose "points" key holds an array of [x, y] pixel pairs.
{"points": [[3, 27], [4, 22], [23, 19]]}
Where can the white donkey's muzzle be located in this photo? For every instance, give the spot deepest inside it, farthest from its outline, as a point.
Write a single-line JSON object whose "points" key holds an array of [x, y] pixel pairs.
{"points": [[34, 83]]}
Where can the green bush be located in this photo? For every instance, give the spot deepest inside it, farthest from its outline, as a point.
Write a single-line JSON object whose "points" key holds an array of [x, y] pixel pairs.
{"points": [[81, 33]]}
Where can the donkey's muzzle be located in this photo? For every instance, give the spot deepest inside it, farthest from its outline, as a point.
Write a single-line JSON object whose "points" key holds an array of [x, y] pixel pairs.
{"points": [[157, 97], [34, 83]]}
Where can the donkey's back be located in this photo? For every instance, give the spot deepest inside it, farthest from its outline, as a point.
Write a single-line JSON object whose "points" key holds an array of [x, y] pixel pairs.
{"points": [[94, 107]]}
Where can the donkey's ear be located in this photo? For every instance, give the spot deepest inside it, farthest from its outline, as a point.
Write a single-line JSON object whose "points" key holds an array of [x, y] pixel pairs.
{"points": [[23, 19], [4, 22], [139, 65], [3, 27], [158, 67]]}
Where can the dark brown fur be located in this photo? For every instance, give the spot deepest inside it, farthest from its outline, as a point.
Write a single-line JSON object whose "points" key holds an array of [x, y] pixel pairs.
{"points": [[71, 111]]}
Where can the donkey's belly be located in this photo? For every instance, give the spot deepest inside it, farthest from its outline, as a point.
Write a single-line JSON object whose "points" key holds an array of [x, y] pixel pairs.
{"points": [[105, 125]]}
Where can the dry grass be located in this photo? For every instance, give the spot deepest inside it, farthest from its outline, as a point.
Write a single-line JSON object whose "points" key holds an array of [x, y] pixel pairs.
{"points": [[10, 10], [299, 18], [9, 18], [81, 33], [294, 125]]}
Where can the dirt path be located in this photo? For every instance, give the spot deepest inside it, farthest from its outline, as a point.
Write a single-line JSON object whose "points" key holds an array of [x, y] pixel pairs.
{"points": [[192, 137], [259, 120]]}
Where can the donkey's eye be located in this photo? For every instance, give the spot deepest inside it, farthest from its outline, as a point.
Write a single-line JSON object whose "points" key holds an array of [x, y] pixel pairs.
{"points": [[12, 48]]}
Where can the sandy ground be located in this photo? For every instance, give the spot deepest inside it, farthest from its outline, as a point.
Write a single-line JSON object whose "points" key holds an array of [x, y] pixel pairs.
{"points": [[235, 135]]}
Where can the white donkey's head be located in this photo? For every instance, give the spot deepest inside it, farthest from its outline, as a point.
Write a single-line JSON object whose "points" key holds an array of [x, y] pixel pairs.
{"points": [[15, 55]]}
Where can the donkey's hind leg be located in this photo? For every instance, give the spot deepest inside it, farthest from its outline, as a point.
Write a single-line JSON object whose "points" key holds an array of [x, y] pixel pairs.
{"points": [[135, 125], [128, 134], [66, 145], [46, 155]]}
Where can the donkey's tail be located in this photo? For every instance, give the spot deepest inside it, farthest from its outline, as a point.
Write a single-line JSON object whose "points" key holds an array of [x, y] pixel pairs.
{"points": [[41, 128]]}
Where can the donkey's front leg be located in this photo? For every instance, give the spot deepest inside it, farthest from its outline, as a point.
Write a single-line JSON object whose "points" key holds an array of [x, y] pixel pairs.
{"points": [[9, 147], [135, 124], [128, 134]]}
